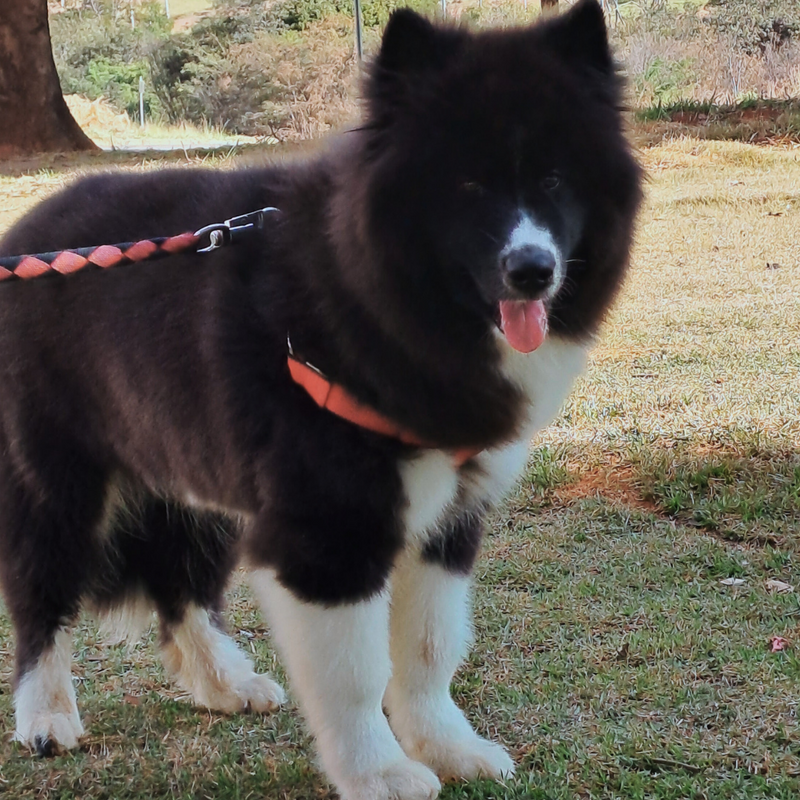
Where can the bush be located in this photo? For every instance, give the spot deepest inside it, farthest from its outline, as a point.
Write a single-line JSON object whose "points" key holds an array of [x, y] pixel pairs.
{"points": [[98, 55], [286, 68], [752, 27], [284, 84], [717, 53], [298, 15]]}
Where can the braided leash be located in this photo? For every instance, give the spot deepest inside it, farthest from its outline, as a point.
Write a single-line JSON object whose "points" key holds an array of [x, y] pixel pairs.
{"points": [[66, 262]]}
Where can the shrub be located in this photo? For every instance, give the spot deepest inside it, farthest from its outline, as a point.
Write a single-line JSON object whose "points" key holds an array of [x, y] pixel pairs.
{"points": [[285, 84], [286, 67], [752, 27], [715, 53], [97, 54], [298, 15]]}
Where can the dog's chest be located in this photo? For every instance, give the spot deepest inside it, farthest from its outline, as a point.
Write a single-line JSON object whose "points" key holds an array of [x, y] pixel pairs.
{"points": [[436, 487]]}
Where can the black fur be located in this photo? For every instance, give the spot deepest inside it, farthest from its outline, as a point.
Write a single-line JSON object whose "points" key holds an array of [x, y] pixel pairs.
{"points": [[171, 554], [456, 545], [169, 378]]}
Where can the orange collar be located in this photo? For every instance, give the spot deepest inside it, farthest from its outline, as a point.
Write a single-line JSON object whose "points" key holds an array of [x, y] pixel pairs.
{"points": [[336, 399]]}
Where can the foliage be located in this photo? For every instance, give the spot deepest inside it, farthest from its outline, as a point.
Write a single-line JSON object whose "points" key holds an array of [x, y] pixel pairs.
{"points": [[287, 69], [717, 54], [298, 15], [260, 83], [753, 26], [98, 54], [664, 78]]}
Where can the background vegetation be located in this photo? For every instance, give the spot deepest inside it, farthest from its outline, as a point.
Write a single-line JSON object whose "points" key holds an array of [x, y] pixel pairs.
{"points": [[287, 69]]}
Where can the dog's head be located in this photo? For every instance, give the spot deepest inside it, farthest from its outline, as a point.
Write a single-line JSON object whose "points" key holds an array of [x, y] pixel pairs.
{"points": [[498, 159]]}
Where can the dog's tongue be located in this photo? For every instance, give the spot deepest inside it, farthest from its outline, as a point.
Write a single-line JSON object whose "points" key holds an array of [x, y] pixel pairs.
{"points": [[524, 323]]}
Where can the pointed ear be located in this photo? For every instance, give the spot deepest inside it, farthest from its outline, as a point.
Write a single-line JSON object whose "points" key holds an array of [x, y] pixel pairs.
{"points": [[411, 45], [580, 35]]}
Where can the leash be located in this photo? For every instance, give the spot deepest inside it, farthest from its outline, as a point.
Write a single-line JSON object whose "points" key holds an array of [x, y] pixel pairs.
{"points": [[325, 393], [67, 262]]}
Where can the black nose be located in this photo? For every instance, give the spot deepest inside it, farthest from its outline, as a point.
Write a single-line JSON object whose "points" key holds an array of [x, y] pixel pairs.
{"points": [[530, 269]]}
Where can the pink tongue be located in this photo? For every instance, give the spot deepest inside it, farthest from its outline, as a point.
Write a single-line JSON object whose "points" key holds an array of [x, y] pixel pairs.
{"points": [[524, 323]]}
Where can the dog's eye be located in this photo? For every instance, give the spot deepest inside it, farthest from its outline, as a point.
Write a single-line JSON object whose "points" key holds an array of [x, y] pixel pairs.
{"points": [[473, 188], [551, 181]]}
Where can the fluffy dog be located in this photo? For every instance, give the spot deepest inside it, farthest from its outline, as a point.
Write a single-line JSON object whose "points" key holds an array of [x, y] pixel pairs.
{"points": [[445, 266]]}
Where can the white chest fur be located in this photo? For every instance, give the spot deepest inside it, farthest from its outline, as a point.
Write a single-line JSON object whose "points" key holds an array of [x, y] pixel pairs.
{"points": [[433, 483]]}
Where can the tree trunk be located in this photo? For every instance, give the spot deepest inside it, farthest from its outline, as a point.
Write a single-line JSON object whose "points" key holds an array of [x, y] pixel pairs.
{"points": [[34, 117]]}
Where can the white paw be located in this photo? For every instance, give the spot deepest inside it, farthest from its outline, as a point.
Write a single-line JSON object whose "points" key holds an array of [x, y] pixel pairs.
{"points": [[465, 759], [261, 694], [400, 780], [253, 692], [48, 734]]}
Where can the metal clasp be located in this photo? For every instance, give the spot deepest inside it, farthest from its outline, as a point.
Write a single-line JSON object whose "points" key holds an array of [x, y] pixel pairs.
{"points": [[224, 233]]}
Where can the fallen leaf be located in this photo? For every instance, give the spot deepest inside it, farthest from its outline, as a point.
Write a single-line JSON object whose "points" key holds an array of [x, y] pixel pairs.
{"points": [[733, 582], [773, 265], [777, 643], [131, 700], [779, 586]]}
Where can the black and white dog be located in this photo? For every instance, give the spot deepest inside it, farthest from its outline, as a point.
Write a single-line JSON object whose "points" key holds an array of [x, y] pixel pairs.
{"points": [[446, 265]]}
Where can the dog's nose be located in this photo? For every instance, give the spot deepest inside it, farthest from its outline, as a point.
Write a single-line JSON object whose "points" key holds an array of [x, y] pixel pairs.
{"points": [[530, 269]]}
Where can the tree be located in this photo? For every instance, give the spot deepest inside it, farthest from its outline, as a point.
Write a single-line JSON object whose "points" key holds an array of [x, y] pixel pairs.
{"points": [[34, 117]]}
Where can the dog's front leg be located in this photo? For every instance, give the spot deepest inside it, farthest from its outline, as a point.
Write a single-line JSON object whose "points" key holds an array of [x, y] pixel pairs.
{"points": [[430, 632], [337, 657]]}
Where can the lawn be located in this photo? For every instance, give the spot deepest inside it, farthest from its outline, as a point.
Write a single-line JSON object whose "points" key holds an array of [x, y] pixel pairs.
{"points": [[610, 657]]}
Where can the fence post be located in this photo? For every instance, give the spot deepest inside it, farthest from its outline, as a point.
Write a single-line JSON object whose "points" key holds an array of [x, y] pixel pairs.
{"points": [[141, 101], [359, 37], [166, 8], [444, 9]]}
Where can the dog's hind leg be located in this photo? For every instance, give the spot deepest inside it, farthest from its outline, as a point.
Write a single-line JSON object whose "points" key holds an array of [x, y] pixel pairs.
{"points": [[430, 633], [206, 662], [49, 547], [182, 559]]}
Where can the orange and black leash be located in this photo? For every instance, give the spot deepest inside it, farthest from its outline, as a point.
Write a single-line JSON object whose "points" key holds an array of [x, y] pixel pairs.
{"points": [[67, 262], [327, 394]]}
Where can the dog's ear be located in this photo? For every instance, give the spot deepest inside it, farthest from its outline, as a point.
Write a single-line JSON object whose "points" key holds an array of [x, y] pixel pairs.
{"points": [[580, 35], [413, 54], [411, 45]]}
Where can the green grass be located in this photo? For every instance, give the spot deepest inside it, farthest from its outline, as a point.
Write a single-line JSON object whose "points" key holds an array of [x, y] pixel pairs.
{"points": [[750, 120], [610, 658]]}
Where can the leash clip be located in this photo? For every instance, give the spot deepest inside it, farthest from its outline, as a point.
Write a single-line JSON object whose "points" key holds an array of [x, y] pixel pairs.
{"points": [[224, 233]]}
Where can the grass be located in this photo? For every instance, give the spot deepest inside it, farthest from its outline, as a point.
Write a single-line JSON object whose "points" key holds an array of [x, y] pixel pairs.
{"points": [[610, 658], [755, 121]]}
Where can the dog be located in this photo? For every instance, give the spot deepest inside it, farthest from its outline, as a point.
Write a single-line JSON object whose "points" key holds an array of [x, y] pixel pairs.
{"points": [[442, 269]]}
